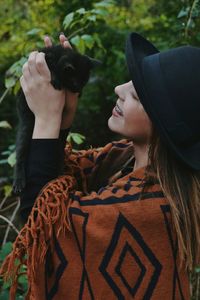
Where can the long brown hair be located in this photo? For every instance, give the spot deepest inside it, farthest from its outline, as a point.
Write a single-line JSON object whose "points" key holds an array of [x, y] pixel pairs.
{"points": [[181, 185]]}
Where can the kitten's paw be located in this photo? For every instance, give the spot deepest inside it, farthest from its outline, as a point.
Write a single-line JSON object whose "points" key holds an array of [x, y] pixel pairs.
{"points": [[18, 186]]}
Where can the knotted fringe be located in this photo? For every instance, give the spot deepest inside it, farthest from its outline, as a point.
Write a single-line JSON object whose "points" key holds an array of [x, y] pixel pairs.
{"points": [[50, 214]]}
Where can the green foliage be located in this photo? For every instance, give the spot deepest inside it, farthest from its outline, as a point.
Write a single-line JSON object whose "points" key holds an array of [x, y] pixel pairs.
{"points": [[5, 250], [5, 124], [5, 286], [76, 138], [9, 156], [190, 13]]}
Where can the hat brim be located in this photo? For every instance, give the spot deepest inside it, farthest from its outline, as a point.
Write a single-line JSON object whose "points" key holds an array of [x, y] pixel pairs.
{"points": [[137, 49]]}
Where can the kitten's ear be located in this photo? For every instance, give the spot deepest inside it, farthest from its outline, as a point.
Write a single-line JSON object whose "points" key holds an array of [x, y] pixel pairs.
{"points": [[94, 62]]}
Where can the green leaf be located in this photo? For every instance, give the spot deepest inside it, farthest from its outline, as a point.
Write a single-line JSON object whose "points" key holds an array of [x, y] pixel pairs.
{"points": [[98, 41], [12, 159], [183, 13], [4, 295], [5, 250], [5, 285], [16, 87], [16, 68], [77, 139], [80, 135], [3, 161], [11, 147], [89, 41], [92, 18], [34, 31], [81, 11], [79, 43], [14, 73], [5, 152], [197, 269], [20, 297], [23, 281], [68, 19], [104, 3], [75, 40], [10, 82], [190, 24], [69, 138], [100, 11], [7, 190], [81, 46], [5, 124]]}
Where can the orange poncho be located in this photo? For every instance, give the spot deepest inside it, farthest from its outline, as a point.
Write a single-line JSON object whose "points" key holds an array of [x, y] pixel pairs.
{"points": [[90, 236]]}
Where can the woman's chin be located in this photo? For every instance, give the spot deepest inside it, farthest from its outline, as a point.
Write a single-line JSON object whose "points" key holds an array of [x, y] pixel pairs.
{"points": [[112, 124]]}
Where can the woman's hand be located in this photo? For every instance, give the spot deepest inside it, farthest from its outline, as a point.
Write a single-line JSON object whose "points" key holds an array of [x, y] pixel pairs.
{"points": [[43, 100], [71, 99]]}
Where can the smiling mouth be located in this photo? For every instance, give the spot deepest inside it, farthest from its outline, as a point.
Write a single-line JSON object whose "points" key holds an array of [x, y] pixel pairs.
{"points": [[118, 110]]}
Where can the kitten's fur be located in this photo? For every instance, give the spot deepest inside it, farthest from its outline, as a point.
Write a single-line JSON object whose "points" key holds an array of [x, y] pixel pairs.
{"points": [[69, 70]]}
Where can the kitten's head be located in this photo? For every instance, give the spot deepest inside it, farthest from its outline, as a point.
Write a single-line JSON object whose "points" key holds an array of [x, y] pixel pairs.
{"points": [[73, 70], [69, 69]]}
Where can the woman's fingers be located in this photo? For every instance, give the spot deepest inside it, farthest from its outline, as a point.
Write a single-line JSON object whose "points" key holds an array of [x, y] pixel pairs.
{"points": [[41, 66], [64, 41], [32, 63], [25, 71], [47, 41], [23, 83], [36, 66]]}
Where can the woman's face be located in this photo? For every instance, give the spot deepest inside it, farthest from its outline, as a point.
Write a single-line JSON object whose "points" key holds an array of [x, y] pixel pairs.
{"points": [[129, 117]]}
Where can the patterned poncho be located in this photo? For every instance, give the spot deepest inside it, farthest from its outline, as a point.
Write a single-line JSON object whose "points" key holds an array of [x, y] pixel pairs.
{"points": [[93, 233]]}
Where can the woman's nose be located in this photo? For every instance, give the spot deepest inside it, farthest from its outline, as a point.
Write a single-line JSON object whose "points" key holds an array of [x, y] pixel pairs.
{"points": [[118, 90], [121, 90]]}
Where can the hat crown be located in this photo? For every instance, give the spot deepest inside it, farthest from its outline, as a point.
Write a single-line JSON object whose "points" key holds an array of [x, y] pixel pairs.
{"points": [[168, 85], [180, 71]]}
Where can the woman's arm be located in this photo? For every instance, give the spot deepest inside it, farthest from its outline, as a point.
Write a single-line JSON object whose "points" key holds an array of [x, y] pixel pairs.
{"points": [[53, 110], [45, 162]]}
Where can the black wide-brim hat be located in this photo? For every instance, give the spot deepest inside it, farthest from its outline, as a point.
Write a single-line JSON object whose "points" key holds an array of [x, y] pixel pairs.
{"points": [[168, 85]]}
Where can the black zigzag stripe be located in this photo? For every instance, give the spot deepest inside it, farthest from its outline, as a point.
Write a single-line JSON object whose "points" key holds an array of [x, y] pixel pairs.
{"points": [[113, 199], [166, 209], [100, 158], [120, 145], [58, 274]]}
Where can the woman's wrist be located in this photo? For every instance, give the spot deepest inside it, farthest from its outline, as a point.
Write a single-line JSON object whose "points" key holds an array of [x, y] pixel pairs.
{"points": [[46, 129]]}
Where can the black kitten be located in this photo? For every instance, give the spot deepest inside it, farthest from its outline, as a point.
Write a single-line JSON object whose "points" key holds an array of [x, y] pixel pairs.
{"points": [[69, 70]]}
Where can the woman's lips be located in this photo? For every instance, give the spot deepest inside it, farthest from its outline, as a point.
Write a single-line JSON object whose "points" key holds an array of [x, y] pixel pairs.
{"points": [[117, 111]]}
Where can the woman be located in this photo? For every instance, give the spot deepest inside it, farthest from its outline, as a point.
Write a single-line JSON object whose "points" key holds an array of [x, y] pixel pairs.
{"points": [[122, 222]]}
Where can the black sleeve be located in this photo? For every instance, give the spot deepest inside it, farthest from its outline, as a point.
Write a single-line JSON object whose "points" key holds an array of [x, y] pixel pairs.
{"points": [[44, 163]]}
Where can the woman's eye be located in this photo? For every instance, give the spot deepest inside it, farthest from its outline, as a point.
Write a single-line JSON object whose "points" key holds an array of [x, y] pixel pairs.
{"points": [[135, 97]]}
